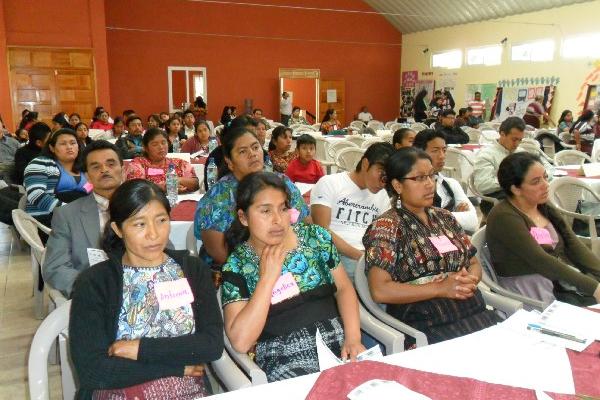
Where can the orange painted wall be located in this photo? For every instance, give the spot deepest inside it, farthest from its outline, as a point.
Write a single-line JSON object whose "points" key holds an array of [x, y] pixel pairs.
{"points": [[243, 48], [57, 23], [5, 102], [304, 91]]}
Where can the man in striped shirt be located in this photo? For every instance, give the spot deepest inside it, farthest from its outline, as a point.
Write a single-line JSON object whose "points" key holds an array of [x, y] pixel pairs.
{"points": [[478, 107]]}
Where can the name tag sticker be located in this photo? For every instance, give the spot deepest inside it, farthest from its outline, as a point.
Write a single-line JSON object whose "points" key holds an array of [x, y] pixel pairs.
{"points": [[294, 214], [88, 187], [285, 288], [442, 244], [96, 256], [173, 294], [155, 172], [541, 235]]}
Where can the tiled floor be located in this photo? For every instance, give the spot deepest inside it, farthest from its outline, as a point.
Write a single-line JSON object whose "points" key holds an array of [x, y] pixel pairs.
{"points": [[17, 322]]}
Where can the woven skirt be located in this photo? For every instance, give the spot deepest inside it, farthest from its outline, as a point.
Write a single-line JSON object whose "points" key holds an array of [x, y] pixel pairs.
{"points": [[295, 354]]}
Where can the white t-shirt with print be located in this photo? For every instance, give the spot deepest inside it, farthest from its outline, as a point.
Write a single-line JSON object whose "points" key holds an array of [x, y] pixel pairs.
{"points": [[352, 209]]}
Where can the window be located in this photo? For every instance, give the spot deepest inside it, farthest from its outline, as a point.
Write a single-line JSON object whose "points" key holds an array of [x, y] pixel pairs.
{"points": [[542, 50], [489, 55], [584, 46], [448, 59], [185, 84]]}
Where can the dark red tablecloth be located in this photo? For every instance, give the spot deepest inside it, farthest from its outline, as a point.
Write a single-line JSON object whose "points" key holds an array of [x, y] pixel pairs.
{"points": [[575, 173], [184, 211], [337, 382]]}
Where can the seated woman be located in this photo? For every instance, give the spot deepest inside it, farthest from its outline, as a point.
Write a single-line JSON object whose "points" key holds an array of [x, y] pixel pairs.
{"points": [[261, 132], [127, 338], [533, 249], [198, 142], [403, 137], [419, 260], [279, 284], [174, 131], [330, 122], [153, 121], [154, 165], [53, 178], [118, 128], [81, 129], [101, 120], [279, 148], [296, 118], [216, 209]]}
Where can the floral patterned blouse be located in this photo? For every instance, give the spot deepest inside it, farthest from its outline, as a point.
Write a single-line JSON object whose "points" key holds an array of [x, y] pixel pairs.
{"points": [[331, 125], [310, 264], [140, 315], [141, 168], [216, 209], [280, 162]]}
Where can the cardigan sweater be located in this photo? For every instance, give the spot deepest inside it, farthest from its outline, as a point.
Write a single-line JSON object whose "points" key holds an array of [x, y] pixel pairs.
{"points": [[515, 252], [40, 179], [93, 324]]}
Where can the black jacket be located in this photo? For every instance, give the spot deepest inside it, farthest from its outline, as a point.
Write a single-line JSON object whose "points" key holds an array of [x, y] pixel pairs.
{"points": [[22, 157], [97, 299], [454, 135]]}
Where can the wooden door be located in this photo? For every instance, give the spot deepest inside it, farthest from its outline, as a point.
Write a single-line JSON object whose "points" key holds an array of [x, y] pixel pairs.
{"points": [[52, 80], [336, 89]]}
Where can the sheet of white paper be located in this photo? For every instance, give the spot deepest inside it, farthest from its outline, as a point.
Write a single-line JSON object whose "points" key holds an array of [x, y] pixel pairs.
{"points": [[304, 187], [196, 196], [374, 353], [541, 395], [496, 355], [569, 318], [596, 306], [96, 256], [326, 357], [380, 389]]}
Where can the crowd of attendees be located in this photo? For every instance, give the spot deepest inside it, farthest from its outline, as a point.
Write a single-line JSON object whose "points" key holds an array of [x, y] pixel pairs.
{"points": [[147, 318]]}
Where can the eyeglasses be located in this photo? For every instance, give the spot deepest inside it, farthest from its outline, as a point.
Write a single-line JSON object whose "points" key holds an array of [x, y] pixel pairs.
{"points": [[422, 178]]}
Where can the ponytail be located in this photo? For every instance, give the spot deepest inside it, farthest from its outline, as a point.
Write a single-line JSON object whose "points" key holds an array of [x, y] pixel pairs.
{"points": [[236, 234]]}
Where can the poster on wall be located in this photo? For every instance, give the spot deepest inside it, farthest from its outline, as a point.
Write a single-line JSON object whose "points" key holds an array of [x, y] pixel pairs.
{"points": [[514, 100], [410, 78], [331, 96], [446, 81]]}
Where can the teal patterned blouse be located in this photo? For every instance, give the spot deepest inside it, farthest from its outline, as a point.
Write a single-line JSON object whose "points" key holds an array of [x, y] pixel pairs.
{"points": [[216, 209], [140, 315], [310, 264]]}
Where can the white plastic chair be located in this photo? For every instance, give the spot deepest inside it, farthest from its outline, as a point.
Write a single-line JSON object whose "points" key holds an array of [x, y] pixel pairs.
{"points": [[389, 124], [376, 125], [458, 166], [27, 226], [368, 142], [488, 126], [394, 127], [317, 127], [321, 150], [347, 159], [474, 134], [488, 136], [565, 193], [54, 326], [361, 283], [356, 139], [357, 125], [489, 277], [418, 126], [532, 146], [571, 157], [335, 147], [476, 192]]}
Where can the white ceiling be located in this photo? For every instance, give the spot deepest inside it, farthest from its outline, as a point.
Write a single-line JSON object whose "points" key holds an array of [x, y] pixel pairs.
{"points": [[419, 15]]}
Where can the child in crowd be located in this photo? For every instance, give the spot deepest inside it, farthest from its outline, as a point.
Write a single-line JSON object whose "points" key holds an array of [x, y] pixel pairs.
{"points": [[305, 168]]}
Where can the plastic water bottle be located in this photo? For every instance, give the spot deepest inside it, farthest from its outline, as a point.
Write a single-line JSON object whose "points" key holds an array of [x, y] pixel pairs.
{"points": [[268, 164], [212, 142], [176, 145], [172, 185], [211, 173]]}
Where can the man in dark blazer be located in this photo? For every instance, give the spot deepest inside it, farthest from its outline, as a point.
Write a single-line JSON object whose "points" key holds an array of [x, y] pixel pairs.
{"points": [[78, 226]]}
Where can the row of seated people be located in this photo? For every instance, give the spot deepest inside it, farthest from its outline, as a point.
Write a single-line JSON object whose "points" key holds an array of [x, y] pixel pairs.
{"points": [[418, 259]]}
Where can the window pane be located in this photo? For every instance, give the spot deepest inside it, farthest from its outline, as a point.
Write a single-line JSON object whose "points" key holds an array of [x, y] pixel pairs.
{"points": [[491, 55], [584, 46], [534, 51], [449, 59]]}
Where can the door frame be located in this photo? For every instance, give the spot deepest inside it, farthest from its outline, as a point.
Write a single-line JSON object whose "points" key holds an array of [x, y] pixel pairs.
{"points": [[302, 73], [187, 70]]}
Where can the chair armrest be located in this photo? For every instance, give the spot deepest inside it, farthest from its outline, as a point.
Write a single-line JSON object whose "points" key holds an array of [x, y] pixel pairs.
{"points": [[533, 303], [505, 304], [229, 373], [56, 296], [392, 340], [400, 326], [257, 375]]}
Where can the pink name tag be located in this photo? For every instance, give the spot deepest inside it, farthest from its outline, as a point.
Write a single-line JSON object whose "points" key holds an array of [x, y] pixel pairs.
{"points": [[88, 187], [173, 294], [285, 288], [442, 244], [155, 171], [541, 235], [294, 214]]}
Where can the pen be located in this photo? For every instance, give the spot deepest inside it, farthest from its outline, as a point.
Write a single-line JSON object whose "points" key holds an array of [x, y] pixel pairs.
{"points": [[538, 328]]}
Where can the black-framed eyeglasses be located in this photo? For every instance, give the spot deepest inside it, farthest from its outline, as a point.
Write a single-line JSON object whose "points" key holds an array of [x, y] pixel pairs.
{"points": [[422, 178]]}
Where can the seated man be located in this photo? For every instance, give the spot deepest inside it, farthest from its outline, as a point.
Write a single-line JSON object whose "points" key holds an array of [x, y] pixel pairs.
{"points": [[488, 160], [8, 148], [131, 144], [78, 226], [449, 195], [188, 128], [346, 203], [454, 135]]}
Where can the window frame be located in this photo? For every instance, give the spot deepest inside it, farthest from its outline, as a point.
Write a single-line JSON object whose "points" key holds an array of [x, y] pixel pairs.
{"points": [[497, 46], [445, 52], [530, 43]]}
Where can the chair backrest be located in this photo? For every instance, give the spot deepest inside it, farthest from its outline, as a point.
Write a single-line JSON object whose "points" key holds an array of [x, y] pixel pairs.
{"points": [[548, 146], [45, 336], [347, 158], [335, 147], [394, 127], [488, 126], [191, 241], [321, 148], [455, 160], [27, 226], [418, 126], [389, 124], [483, 255], [376, 125], [303, 128], [530, 145], [565, 192], [488, 136], [365, 145], [357, 125], [474, 135], [356, 139], [571, 157], [387, 137], [317, 127]]}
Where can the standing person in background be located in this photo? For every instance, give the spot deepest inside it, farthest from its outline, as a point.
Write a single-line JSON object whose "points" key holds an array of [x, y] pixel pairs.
{"points": [[285, 108], [226, 116], [364, 115], [478, 107], [420, 107]]}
